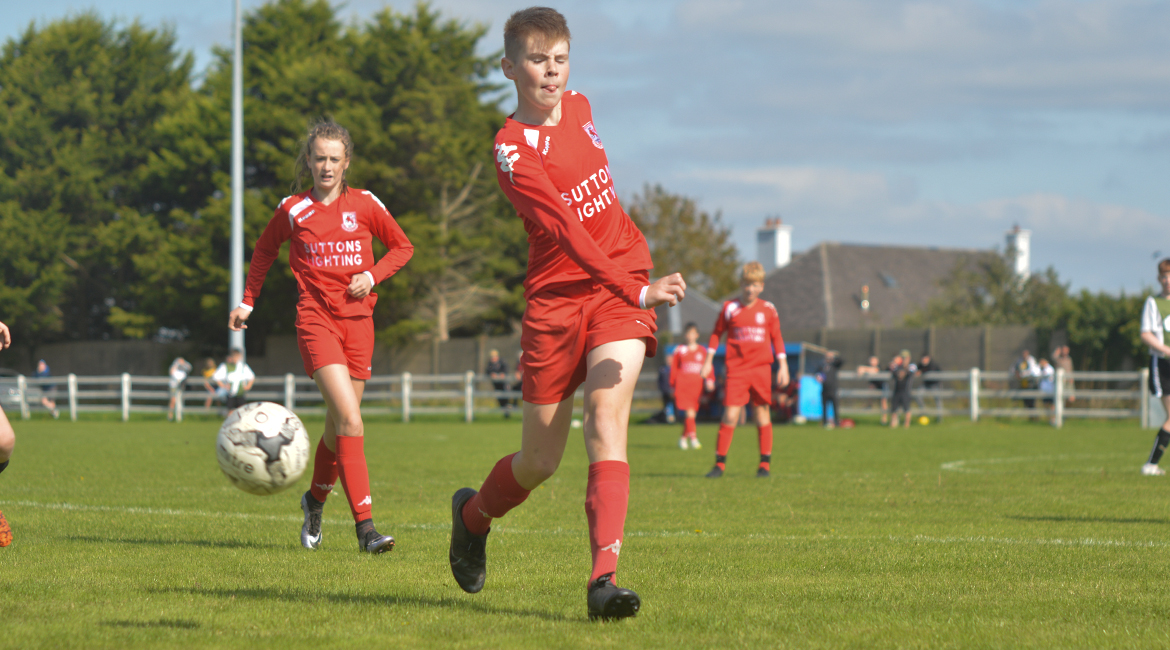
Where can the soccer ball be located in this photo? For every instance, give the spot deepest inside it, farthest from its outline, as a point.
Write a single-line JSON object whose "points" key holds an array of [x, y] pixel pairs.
{"points": [[262, 448], [924, 420]]}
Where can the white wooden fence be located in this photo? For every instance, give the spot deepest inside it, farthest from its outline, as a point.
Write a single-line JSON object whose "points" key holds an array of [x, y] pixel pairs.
{"points": [[407, 395], [977, 393]]}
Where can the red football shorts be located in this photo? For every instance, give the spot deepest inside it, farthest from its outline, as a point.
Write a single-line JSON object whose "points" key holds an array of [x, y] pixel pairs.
{"points": [[754, 384], [325, 339], [562, 324], [687, 391]]}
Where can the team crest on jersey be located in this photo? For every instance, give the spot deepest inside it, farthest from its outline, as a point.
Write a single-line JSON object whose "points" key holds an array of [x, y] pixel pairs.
{"points": [[349, 221], [588, 126], [759, 318]]}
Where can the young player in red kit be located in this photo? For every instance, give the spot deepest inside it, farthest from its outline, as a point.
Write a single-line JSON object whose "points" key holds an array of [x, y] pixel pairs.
{"points": [[332, 228], [686, 377], [753, 342], [7, 442], [588, 318]]}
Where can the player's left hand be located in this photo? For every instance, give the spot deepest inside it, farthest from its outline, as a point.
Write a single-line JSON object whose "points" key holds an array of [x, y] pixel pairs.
{"points": [[360, 286], [5, 336], [782, 376], [668, 290]]}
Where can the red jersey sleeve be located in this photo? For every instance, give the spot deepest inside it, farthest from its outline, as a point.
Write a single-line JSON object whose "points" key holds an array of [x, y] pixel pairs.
{"points": [[675, 366], [774, 331], [386, 229], [718, 330], [278, 231], [527, 185]]}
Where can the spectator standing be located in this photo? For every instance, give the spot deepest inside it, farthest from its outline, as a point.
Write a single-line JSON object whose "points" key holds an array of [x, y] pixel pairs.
{"points": [[1155, 334], [902, 383], [873, 367], [178, 372], [1063, 361], [1026, 372], [497, 372], [1046, 380], [235, 378], [925, 366], [828, 377], [213, 391], [48, 391], [667, 391]]}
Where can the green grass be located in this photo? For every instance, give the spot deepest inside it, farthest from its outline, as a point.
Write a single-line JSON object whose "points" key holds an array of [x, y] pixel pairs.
{"points": [[128, 536]]}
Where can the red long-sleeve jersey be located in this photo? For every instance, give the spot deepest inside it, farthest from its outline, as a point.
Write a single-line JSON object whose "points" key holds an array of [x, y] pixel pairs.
{"points": [[558, 179], [687, 365], [330, 244], [753, 334]]}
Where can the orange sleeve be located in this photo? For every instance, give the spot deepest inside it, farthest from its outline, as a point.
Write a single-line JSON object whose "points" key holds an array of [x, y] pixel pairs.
{"points": [[278, 231], [532, 193], [386, 229]]}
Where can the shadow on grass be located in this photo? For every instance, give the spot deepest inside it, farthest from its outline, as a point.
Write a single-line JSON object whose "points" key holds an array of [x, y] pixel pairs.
{"points": [[1089, 520], [202, 543], [696, 475], [297, 596], [176, 623]]}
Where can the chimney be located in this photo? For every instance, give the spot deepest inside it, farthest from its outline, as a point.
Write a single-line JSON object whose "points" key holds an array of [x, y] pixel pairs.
{"points": [[774, 244], [1019, 248]]}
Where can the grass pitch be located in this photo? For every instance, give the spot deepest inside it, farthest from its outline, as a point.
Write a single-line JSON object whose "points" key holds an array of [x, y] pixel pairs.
{"points": [[952, 535]]}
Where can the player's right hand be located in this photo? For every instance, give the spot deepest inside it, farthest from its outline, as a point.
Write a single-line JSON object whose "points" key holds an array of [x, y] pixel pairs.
{"points": [[236, 319], [708, 368], [5, 336], [668, 290]]}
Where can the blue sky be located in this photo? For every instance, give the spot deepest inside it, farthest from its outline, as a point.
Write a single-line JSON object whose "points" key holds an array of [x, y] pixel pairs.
{"points": [[866, 121]]}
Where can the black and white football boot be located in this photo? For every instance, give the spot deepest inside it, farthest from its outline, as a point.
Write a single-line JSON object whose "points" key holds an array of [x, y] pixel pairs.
{"points": [[311, 531], [608, 601], [468, 554], [370, 541]]}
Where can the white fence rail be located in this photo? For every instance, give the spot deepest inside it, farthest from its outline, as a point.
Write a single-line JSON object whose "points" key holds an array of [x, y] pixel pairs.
{"points": [[465, 394], [977, 393], [974, 394]]}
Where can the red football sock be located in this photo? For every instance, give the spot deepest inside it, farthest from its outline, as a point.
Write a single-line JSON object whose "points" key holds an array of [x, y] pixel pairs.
{"points": [[606, 499], [723, 443], [499, 493], [766, 446], [324, 472], [689, 428], [355, 477]]}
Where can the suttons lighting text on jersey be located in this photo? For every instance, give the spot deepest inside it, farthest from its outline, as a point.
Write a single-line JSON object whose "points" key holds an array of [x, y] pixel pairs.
{"points": [[329, 253], [594, 202]]}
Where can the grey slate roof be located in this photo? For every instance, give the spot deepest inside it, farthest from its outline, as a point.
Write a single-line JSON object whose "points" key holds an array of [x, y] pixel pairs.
{"points": [[822, 287]]}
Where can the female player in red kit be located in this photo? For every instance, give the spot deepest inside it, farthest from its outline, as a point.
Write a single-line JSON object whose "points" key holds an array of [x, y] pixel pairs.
{"points": [[686, 377], [332, 228], [588, 318]]}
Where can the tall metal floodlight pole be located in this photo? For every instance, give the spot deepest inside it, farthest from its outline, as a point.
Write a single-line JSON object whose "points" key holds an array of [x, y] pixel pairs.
{"points": [[236, 339]]}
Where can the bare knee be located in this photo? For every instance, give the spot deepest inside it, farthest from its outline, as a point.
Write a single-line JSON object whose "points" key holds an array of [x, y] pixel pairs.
{"points": [[350, 424], [533, 469]]}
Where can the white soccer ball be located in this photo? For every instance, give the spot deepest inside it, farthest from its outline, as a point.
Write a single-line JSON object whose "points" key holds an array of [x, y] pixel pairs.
{"points": [[262, 448]]}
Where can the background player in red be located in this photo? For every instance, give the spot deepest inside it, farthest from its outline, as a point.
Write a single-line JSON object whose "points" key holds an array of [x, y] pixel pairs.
{"points": [[753, 342], [686, 376], [7, 442], [588, 318], [332, 228]]}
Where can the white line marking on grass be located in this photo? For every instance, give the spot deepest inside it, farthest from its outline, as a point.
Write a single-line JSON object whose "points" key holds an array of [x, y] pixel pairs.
{"points": [[173, 512], [963, 465]]}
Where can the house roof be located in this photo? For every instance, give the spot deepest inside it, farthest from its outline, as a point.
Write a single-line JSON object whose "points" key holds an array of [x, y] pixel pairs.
{"points": [[822, 287]]}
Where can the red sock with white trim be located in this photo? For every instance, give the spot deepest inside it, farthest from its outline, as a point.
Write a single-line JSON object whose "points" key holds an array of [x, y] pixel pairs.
{"points": [[766, 447], [607, 498], [499, 493], [324, 472], [355, 476], [723, 444]]}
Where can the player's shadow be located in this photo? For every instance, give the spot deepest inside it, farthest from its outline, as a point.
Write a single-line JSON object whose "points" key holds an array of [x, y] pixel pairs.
{"points": [[176, 623], [606, 374], [1089, 520], [202, 543], [295, 596]]}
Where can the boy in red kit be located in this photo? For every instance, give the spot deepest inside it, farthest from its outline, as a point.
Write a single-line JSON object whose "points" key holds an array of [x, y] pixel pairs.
{"points": [[589, 317], [332, 228], [686, 377], [753, 342]]}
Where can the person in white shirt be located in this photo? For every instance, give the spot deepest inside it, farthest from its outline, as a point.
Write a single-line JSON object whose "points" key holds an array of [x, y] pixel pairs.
{"points": [[1156, 335], [235, 377], [178, 372]]}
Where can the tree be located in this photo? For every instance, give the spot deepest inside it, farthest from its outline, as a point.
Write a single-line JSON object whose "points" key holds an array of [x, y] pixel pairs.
{"points": [[80, 101], [686, 240]]}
